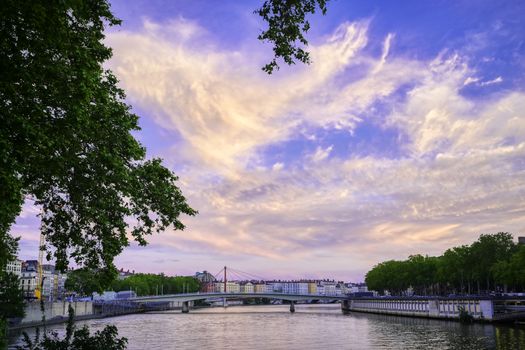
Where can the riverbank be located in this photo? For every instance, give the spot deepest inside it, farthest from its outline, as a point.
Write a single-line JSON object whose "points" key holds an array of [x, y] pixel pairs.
{"points": [[312, 326], [478, 309], [58, 312]]}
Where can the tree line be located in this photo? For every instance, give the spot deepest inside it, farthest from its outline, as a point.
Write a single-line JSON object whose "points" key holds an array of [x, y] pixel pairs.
{"points": [[493, 263], [85, 282], [150, 284]]}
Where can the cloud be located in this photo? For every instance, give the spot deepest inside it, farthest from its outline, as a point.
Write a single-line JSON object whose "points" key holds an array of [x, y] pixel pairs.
{"points": [[278, 166], [476, 81], [491, 82], [321, 153], [226, 109], [470, 80], [461, 171]]}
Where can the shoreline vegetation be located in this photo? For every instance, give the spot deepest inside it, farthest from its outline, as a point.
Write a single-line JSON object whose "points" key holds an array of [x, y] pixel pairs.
{"points": [[493, 264]]}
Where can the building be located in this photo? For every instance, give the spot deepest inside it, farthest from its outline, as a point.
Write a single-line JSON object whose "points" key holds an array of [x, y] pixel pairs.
{"points": [[312, 287], [105, 296], [274, 287], [320, 288], [53, 284], [208, 287], [30, 265], [247, 287], [521, 240], [28, 282], [329, 287], [125, 294], [205, 277], [218, 287], [122, 275], [259, 287], [344, 288], [207, 281], [357, 288], [14, 267], [233, 287], [294, 287]]}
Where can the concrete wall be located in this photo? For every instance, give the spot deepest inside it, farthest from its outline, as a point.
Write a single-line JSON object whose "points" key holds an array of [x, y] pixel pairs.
{"points": [[435, 308], [55, 310], [176, 304]]}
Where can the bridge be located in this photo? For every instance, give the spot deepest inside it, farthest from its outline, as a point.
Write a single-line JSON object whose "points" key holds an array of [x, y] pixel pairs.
{"points": [[187, 297]]}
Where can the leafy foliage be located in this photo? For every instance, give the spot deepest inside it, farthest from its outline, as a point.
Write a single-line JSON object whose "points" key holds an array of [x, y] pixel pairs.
{"points": [[287, 25], [83, 281], [65, 137], [511, 272], [3, 333], [11, 298], [150, 284], [78, 339], [11, 302], [487, 264]]}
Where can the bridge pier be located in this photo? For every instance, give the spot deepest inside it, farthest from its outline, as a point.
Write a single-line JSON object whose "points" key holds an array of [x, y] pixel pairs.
{"points": [[292, 306], [345, 306], [185, 307]]}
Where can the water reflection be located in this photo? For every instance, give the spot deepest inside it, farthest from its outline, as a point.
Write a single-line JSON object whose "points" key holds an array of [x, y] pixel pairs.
{"points": [[311, 327]]}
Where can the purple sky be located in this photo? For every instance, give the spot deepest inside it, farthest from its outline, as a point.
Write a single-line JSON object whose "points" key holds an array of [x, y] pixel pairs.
{"points": [[405, 135]]}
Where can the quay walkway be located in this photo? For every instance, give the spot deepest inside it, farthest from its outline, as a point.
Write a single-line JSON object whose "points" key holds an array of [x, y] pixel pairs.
{"points": [[479, 308], [490, 309]]}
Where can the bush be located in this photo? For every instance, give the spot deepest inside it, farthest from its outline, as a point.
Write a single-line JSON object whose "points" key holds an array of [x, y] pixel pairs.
{"points": [[464, 316], [78, 339]]}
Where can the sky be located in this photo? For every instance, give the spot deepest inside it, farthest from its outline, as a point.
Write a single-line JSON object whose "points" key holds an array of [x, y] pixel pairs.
{"points": [[405, 135]]}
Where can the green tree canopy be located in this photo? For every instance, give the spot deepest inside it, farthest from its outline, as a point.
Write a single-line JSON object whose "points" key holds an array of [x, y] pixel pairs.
{"points": [[487, 251], [75, 338], [287, 25], [488, 263], [65, 136], [83, 281], [150, 284], [11, 301]]}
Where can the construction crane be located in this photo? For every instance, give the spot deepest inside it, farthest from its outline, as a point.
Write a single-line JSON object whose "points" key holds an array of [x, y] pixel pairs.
{"points": [[40, 272]]}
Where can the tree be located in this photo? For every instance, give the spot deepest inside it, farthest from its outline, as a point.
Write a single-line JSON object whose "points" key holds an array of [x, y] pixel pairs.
{"points": [[150, 284], [66, 136], [517, 264], [83, 281], [422, 272], [390, 275], [78, 339], [456, 268], [493, 258], [65, 130], [11, 298], [511, 272], [11, 302], [287, 25], [487, 251]]}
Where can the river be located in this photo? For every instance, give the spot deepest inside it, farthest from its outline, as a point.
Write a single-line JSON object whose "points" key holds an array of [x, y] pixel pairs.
{"points": [[310, 327]]}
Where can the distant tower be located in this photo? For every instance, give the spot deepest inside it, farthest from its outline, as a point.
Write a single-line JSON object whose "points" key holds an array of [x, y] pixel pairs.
{"points": [[224, 279], [521, 240]]}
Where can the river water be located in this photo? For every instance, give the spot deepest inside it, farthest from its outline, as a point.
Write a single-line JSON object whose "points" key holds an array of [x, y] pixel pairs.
{"points": [[310, 327]]}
